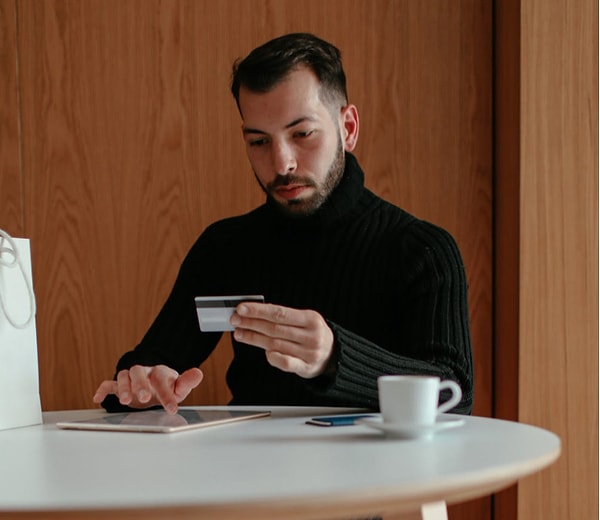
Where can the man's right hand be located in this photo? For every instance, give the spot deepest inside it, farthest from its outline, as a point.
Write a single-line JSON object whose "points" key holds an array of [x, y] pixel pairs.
{"points": [[142, 387]]}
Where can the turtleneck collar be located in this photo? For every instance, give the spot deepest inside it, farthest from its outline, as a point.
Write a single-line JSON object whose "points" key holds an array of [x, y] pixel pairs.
{"points": [[342, 200]]}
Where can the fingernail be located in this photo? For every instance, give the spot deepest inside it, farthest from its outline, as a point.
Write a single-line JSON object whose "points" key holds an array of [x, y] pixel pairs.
{"points": [[143, 395], [235, 320], [242, 309], [171, 408]]}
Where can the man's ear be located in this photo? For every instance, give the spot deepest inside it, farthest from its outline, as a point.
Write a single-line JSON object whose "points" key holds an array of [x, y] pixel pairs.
{"points": [[349, 125]]}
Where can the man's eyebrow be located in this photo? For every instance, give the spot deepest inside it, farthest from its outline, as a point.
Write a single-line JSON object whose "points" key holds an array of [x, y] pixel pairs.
{"points": [[248, 130]]}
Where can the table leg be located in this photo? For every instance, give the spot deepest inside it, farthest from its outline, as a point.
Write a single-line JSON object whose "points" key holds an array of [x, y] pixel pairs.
{"points": [[434, 511], [430, 511]]}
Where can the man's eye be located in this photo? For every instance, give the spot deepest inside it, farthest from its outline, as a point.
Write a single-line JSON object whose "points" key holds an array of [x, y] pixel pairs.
{"points": [[257, 142], [304, 134]]}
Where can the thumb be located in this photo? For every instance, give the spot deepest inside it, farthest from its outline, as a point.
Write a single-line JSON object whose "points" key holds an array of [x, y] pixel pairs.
{"points": [[187, 381]]}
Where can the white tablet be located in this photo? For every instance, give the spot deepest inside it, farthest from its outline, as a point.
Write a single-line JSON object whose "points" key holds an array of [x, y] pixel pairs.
{"points": [[159, 421]]}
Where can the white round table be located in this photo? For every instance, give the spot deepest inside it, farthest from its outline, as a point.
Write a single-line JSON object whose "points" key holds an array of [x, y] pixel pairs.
{"points": [[278, 467]]}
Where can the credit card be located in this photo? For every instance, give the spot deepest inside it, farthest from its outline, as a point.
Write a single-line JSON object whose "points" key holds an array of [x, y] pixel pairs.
{"points": [[214, 312]]}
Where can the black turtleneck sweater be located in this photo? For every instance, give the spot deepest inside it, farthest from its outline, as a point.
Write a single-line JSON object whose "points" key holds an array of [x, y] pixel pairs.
{"points": [[391, 287]]}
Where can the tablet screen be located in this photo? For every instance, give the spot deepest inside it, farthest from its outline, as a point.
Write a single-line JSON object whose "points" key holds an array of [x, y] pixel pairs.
{"points": [[158, 421]]}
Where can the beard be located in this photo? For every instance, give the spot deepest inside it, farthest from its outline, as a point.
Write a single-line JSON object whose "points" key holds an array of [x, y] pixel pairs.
{"points": [[306, 207]]}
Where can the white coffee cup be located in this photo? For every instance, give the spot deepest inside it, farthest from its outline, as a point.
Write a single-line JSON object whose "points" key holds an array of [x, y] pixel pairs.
{"points": [[413, 400]]}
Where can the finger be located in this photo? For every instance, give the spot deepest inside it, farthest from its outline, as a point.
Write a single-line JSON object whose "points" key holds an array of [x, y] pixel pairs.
{"points": [[272, 313], [257, 331], [124, 387], [105, 388], [287, 339], [284, 362], [163, 381], [268, 340], [141, 387], [295, 365], [305, 327], [186, 382]]}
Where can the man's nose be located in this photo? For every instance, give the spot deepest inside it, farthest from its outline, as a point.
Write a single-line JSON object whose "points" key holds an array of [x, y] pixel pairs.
{"points": [[284, 159]]}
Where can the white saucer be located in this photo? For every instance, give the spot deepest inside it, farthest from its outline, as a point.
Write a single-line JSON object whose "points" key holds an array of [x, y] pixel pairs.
{"points": [[404, 431]]}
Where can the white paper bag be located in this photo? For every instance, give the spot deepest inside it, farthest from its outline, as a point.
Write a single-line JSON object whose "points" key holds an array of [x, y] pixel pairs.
{"points": [[19, 384]]}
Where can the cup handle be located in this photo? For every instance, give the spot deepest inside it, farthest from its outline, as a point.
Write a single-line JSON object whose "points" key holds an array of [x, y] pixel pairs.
{"points": [[456, 395]]}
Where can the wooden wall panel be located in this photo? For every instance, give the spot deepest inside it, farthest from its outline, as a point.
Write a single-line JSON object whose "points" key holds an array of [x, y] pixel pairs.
{"points": [[123, 172], [131, 146], [546, 167], [558, 376], [11, 195]]}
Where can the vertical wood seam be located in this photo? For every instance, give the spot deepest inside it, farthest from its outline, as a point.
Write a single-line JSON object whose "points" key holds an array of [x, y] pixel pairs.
{"points": [[20, 123]]}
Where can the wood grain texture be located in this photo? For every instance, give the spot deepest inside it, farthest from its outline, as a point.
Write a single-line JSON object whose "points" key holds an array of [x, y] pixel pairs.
{"points": [[132, 146], [11, 194], [558, 376], [507, 81]]}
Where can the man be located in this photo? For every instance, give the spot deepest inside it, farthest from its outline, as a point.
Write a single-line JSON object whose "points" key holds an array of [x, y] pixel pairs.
{"points": [[354, 287]]}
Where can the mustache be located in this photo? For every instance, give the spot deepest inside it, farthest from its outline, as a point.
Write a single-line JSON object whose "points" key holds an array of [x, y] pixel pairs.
{"points": [[286, 180]]}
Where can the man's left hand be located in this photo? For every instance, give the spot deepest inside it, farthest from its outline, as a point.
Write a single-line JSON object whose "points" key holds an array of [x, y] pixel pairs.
{"points": [[298, 341]]}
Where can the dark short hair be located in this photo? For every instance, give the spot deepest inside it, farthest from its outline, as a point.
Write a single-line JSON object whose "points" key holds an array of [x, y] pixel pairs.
{"points": [[270, 63]]}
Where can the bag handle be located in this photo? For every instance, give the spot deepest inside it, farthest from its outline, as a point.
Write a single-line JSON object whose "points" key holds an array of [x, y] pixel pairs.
{"points": [[15, 262]]}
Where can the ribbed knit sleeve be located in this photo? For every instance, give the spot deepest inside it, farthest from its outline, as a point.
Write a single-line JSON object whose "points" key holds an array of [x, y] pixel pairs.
{"points": [[431, 336]]}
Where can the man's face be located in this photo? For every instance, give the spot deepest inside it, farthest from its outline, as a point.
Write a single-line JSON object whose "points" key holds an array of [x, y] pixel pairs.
{"points": [[294, 142]]}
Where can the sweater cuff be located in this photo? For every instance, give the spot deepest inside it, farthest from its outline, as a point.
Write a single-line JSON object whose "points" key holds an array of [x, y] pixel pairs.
{"points": [[358, 364]]}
